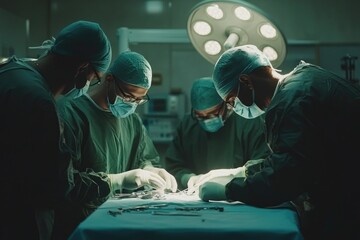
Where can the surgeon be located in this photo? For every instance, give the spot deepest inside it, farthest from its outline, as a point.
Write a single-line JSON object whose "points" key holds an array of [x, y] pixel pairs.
{"points": [[107, 136], [36, 173], [312, 120], [212, 137]]}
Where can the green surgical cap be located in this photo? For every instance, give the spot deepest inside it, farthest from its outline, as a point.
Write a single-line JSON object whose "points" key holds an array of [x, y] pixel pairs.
{"points": [[84, 40], [234, 62], [204, 95], [132, 68]]}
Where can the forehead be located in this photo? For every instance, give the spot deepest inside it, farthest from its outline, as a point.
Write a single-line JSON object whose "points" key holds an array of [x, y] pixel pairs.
{"points": [[213, 110], [131, 89]]}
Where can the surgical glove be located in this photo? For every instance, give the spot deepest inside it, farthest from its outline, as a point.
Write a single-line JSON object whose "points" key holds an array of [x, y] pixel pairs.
{"points": [[232, 172], [193, 183], [134, 179], [215, 189], [170, 180]]}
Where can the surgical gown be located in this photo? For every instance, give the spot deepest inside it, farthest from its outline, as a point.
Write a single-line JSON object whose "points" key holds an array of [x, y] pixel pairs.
{"points": [[313, 124], [36, 173], [104, 144], [195, 151]]}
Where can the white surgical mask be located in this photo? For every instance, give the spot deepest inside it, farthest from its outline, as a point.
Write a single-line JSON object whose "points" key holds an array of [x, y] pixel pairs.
{"points": [[247, 112], [122, 109], [212, 124]]}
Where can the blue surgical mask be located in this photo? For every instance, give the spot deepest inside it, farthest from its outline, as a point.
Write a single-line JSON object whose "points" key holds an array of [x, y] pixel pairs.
{"points": [[83, 90], [120, 108], [248, 112], [212, 124]]}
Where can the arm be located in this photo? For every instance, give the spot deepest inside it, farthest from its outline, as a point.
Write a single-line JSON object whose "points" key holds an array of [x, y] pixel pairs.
{"points": [[150, 160], [293, 123], [283, 175], [177, 157], [87, 185], [255, 138], [146, 153]]}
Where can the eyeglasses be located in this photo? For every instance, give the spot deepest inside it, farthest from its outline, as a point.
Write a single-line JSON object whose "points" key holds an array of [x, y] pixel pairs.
{"points": [[97, 77], [209, 116], [127, 97]]}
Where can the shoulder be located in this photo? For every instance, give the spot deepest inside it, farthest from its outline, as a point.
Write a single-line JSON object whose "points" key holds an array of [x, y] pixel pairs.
{"points": [[133, 118], [188, 126], [17, 76], [188, 120], [73, 110], [64, 103]]}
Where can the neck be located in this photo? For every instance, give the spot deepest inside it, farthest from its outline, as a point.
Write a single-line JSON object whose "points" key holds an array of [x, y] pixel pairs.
{"points": [[270, 80], [275, 79]]}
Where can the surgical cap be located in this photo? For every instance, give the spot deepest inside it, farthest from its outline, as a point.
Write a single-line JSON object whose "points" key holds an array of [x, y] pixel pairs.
{"points": [[234, 62], [132, 68], [85, 40], [204, 95]]}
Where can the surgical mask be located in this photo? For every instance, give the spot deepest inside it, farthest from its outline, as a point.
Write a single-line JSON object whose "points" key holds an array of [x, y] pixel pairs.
{"points": [[248, 112], [120, 108], [83, 90], [212, 124]]}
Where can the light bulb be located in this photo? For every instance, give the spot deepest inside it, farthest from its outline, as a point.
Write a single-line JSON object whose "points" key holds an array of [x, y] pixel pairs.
{"points": [[202, 28], [212, 47], [215, 11]]}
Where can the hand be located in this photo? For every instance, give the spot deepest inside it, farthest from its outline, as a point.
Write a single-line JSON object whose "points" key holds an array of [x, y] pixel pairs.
{"points": [[232, 173], [136, 178], [169, 179], [193, 183], [215, 189]]}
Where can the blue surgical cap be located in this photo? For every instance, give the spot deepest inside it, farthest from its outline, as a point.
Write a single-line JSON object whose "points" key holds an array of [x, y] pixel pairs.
{"points": [[132, 68], [204, 95], [234, 62], [84, 40]]}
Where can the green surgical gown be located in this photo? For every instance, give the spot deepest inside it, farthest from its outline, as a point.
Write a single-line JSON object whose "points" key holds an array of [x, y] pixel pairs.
{"points": [[101, 144], [313, 129], [36, 173], [195, 151]]}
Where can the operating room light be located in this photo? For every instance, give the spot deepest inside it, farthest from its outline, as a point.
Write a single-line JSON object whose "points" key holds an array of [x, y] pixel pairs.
{"points": [[217, 25], [242, 13], [214, 11], [270, 53], [212, 47], [268, 31], [202, 28]]}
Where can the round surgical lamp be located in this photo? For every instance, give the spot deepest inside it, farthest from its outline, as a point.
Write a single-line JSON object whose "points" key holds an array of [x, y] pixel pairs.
{"points": [[215, 26]]}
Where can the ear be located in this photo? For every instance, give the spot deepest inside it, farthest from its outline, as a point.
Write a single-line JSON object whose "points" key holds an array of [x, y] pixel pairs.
{"points": [[246, 80], [109, 77]]}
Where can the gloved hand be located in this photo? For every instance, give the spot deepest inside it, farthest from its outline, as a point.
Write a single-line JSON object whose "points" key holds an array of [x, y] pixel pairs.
{"points": [[169, 179], [193, 183], [232, 172], [214, 189], [134, 179]]}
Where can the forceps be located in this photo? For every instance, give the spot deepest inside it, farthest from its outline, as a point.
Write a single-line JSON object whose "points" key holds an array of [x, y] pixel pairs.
{"points": [[136, 209]]}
